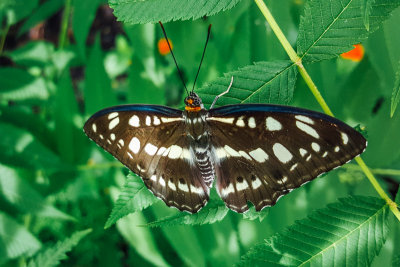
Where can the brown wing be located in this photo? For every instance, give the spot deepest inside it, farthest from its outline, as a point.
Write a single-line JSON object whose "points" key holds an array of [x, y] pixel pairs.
{"points": [[263, 152], [150, 141]]}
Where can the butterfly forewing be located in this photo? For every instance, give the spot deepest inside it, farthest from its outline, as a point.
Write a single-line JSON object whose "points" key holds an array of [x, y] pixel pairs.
{"points": [[264, 151], [151, 142]]}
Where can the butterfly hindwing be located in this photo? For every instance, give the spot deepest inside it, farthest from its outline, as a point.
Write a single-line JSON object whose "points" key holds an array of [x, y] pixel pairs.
{"points": [[150, 140], [264, 151]]}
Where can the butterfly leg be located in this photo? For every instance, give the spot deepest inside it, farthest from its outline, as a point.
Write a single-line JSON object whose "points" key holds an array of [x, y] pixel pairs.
{"points": [[223, 93]]}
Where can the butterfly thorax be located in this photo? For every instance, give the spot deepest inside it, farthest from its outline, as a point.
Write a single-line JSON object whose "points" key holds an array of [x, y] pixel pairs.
{"points": [[198, 135]]}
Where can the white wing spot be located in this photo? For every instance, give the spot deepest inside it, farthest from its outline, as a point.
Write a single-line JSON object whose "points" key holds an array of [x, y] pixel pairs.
{"points": [[345, 138], [161, 182], [167, 120], [112, 136], [272, 125], [166, 151], [148, 121], [183, 187], [171, 185], [337, 149], [197, 190], [108, 141], [150, 149], [186, 154], [134, 145], [303, 152], [161, 150], [315, 147], [121, 142], [134, 121], [307, 129], [308, 158], [325, 154], [283, 180], [113, 123], [153, 178], [240, 122], [129, 154], [156, 120], [245, 155], [94, 127], [242, 186], [112, 115], [293, 167], [259, 155], [228, 190], [304, 119], [140, 168], [101, 136], [231, 151], [256, 183], [252, 122], [221, 153], [221, 119], [282, 153], [175, 152]]}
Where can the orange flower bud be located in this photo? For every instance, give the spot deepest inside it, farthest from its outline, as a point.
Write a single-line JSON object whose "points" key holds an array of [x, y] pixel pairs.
{"points": [[163, 48], [356, 54]]}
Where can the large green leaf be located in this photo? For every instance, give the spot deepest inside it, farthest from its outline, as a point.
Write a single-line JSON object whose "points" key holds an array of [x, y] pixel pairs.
{"points": [[348, 232], [52, 255], [15, 240], [143, 11], [263, 82], [25, 198], [134, 197], [329, 28]]}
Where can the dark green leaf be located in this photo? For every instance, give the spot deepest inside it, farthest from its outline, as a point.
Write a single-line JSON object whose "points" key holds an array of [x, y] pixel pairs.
{"points": [[16, 10], [350, 231], [134, 197], [263, 82], [15, 240], [52, 255], [329, 28], [143, 11]]}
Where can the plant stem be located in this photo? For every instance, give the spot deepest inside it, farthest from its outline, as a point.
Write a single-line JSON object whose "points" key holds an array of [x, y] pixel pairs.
{"points": [[390, 172], [297, 60], [62, 39]]}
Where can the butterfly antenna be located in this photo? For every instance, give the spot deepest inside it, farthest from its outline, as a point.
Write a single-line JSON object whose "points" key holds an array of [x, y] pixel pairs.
{"points": [[172, 53], [202, 57]]}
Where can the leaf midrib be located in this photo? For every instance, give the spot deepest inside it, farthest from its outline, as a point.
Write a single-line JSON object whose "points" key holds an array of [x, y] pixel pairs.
{"points": [[327, 29], [345, 236]]}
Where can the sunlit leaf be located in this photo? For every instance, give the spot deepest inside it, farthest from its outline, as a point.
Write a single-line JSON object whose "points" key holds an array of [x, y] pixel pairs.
{"points": [[329, 28], [352, 230], [25, 198], [33, 53], [213, 212], [263, 82], [395, 94], [134, 197], [15, 240], [143, 11], [52, 255], [252, 214]]}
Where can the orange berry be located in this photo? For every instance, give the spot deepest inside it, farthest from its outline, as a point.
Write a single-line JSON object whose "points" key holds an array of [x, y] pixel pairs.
{"points": [[356, 54], [163, 48]]}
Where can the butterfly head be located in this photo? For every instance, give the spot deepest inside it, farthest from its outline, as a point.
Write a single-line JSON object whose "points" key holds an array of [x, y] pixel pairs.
{"points": [[193, 102]]}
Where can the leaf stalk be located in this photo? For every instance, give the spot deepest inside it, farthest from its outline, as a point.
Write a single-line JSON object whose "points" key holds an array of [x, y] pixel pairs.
{"points": [[297, 60]]}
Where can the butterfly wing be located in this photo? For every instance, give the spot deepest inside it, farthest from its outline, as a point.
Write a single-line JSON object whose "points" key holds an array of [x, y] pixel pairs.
{"points": [[262, 152], [150, 140]]}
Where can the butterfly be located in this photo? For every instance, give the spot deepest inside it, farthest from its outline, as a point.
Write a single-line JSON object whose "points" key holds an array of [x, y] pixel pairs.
{"points": [[256, 152]]}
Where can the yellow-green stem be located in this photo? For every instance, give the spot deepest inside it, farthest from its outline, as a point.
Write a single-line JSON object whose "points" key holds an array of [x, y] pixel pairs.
{"points": [[62, 40], [3, 38], [297, 60]]}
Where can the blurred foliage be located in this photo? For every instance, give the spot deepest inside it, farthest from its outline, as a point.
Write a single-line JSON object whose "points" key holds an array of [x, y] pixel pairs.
{"points": [[55, 184]]}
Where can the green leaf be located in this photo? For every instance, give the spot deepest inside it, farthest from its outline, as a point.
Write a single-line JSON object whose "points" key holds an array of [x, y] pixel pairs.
{"points": [[263, 82], [52, 255], [19, 85], [396, 93], [252, 214], [329, 28], [16, 10], [134, 197], [213, 212], [33, 53], [20, 148], [26, 199], [350, 231], [144, 11], [366, 6], [15, 240]]}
